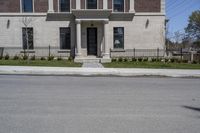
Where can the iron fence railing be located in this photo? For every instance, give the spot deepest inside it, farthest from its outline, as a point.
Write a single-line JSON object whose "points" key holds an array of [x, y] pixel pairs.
{"points": [[37, 51], [135, 53]]}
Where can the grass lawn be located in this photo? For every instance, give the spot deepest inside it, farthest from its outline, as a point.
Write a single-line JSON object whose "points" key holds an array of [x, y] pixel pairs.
{"points": [[53, 63], [151, 65]]}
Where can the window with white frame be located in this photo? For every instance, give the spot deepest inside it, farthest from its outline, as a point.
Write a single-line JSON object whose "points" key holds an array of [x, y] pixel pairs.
{"points": [[118, 5], [119, 37], [91, 4], [65, 38], [27, 5], [27, 37], [64, 5]]}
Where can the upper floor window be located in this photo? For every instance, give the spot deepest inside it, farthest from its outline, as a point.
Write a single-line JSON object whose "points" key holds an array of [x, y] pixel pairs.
{"points": [[27, 5], [119, 37], [64, 5], [118, 5], [91, 4]]}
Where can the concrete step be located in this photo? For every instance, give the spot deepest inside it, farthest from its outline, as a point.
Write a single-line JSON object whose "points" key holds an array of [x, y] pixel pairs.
{"points": [[87, 60]]}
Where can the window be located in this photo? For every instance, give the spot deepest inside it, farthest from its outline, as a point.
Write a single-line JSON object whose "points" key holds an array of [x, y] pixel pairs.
{"points": [[118, 5], [27, 32], [64, 5], [27, 5], [65, 38], [119, 37], [91, 4]]}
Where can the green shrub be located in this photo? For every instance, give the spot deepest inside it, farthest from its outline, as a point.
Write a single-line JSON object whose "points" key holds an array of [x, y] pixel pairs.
{"points": [[153, 59], [133, 59], [33, 57], [42, 58], [7, 57], [145, 59], [140, 59], [51, 57], [185, 61], [114, 60], [174, 60], [194, 62], [158, 59], [24, 57], [59, 58], [120, 59], [16, 57], [70, 58], [125, 59]]}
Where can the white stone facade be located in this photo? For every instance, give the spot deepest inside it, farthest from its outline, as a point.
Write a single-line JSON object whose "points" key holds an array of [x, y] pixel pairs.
{"points": [[141, 30]]}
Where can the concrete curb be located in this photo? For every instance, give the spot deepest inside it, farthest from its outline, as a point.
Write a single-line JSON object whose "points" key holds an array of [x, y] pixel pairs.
{"points": [[126, 72]]}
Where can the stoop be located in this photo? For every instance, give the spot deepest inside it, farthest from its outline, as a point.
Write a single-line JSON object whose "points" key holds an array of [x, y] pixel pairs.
{"points": [[91, 59]]}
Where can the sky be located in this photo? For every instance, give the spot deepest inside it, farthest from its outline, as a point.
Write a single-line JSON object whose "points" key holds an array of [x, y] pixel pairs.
{"points": [[178, 11]]}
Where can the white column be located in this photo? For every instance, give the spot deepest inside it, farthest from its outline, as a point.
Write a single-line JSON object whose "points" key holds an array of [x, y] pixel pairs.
{"points": [[106, 45], [132, 5], [78, 37], [50, 2], [78, 4], [105, 4]]}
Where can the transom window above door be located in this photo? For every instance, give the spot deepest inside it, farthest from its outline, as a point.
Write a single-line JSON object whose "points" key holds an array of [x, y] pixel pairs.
{"points": [[91, 4], [64, 5]]}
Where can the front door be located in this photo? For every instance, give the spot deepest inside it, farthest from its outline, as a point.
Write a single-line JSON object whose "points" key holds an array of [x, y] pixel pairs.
{"points": [[92, 41]]}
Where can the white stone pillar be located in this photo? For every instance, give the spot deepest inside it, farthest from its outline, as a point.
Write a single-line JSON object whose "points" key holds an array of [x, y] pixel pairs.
{"points": [[78, 37], [132, 5], [78, 4], [105, 4], [50, 3], [106, 45]]}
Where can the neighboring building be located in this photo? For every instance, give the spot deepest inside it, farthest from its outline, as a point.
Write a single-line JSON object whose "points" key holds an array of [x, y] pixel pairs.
{"points": [[86, 28]]}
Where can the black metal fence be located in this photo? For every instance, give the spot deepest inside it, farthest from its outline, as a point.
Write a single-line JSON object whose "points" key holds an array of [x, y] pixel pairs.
{"points": [[135, 53], [181, 54], [37, 51]]}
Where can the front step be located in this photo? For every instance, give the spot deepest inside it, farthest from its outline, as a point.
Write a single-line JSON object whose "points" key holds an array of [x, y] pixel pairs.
{"points": [[87, 60], [91, 60]]}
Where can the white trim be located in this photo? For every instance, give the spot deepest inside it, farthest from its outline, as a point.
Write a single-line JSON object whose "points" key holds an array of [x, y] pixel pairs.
{"points": [[33, 2], [22, 14], [100, 19]]}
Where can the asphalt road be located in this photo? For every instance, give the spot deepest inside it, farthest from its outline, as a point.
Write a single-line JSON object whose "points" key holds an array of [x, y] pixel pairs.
{"points": [[45, 104]]}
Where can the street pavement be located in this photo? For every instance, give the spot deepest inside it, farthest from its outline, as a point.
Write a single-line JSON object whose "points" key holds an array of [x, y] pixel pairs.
{"points": [[67, 104]]}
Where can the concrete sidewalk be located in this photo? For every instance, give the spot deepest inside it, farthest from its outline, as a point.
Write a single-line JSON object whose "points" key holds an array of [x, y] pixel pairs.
{"points": [[27, 70]]}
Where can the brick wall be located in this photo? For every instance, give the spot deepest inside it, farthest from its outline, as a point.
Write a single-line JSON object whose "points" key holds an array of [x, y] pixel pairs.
{"points": [[41, 5], [82, 4], [9, 5], [100, 4], [73, 4], [147, 5], [127, 5], [109, 4], [55, 5]]}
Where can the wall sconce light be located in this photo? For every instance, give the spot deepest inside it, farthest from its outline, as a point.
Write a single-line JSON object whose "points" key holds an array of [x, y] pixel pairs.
{"points": [[8, 23], [147, 23]]}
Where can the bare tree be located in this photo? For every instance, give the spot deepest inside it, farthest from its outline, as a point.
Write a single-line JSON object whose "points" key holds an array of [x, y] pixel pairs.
{"points": [[27, 21]]}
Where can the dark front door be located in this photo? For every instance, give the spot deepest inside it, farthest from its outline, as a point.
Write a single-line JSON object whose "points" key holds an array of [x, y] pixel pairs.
{"points": [[92, 41]]}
